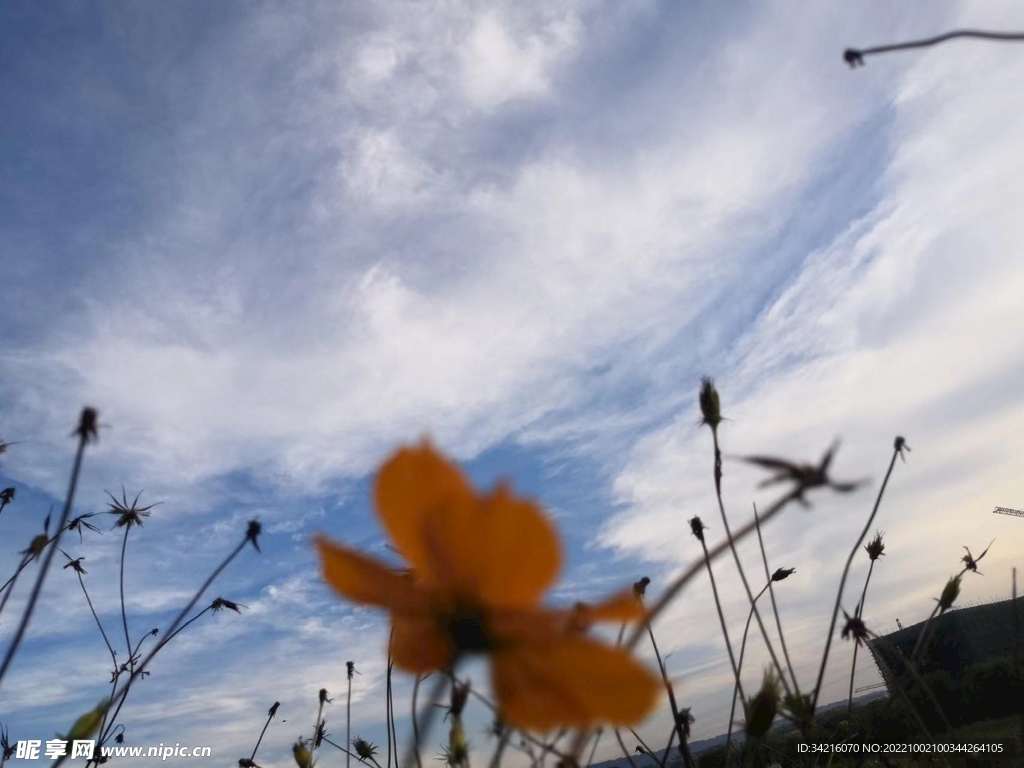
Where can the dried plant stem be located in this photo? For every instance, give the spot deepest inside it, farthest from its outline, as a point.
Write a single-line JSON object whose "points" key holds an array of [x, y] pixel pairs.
{"points": [[647, 748], [121, 695], [1016, 656], [622, 746], [425, 719], [260, 739], [593, 749], [348, 719], [673, 590], [775, 607], [896, 451], [124, 613], [9, 584], [736, 557], [390, 709], [735, 690], [113, 655], [721, 617], [83, 439], [668, 688], [499, 750], [860, 611], [972, 33], [525, 734]]}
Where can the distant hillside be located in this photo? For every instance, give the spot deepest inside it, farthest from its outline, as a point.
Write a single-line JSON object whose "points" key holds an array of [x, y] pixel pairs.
{"points": [[782, 726]]}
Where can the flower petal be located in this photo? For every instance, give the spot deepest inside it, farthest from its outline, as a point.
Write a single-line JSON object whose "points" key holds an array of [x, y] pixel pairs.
{"points": [[411, 484], [622, 607], [501, 551], [574, 682], [365, 580], [418, 645]]}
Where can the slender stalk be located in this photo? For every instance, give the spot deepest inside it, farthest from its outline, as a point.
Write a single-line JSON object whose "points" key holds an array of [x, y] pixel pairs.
{"points": [[390, 710], [721, 616], [84, 431], [854, 55], [856, 646], [593, 750], [674, 588], [775, 607], [735, 690], [427, 718], [1016, 656], [260, 739], [182, 627], [123, 693], [668, 687], [647, 749], [896, 451], [500, 748], [113, 656], [348, 719], [9, 585], [736, 557], [622, 745], [124, 613]]}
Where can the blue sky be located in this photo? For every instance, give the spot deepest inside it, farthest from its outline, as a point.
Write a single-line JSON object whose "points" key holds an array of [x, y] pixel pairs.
{"points": [[271, 242]]}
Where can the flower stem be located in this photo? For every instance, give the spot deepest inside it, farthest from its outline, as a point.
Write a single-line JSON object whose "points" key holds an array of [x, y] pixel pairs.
{"points": [[83, 439], [846, 571]]}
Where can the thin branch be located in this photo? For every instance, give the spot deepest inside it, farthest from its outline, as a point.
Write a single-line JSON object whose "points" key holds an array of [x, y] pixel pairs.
{"points": [[855, 56]]}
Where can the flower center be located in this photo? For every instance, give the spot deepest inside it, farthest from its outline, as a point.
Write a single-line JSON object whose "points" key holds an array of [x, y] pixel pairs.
{"points": [[467, 630]]}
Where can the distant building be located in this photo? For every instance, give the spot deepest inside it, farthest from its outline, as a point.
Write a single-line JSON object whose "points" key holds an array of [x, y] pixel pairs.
{"points": [[958, 639]]}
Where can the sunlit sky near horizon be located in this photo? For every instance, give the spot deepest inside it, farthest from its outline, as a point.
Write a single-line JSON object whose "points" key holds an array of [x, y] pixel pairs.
{"points": [[271, 242]]}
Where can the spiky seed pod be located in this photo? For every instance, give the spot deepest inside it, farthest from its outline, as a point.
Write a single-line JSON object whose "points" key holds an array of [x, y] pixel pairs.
{"points": [[783, 573], [855, 628], [697, 527], [875, 548], [710, 406], [364, 748]]}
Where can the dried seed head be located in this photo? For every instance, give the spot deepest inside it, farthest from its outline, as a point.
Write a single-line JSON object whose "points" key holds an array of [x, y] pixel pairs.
{"points": [[350, 666], [855, 628], [640, 587], [75, 564], [762, 707], [222, 602], [782, 573], [697, 527], [323, 697], [949, 594], [685, 720], [253, 531], [363, 748], [875, 548], [128, 514], [273, 709], [87, 428], [7, 495], [710, 406]]}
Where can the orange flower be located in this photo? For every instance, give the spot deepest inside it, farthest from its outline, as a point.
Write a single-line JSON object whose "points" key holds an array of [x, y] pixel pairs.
{"points": [[479, 567]]}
